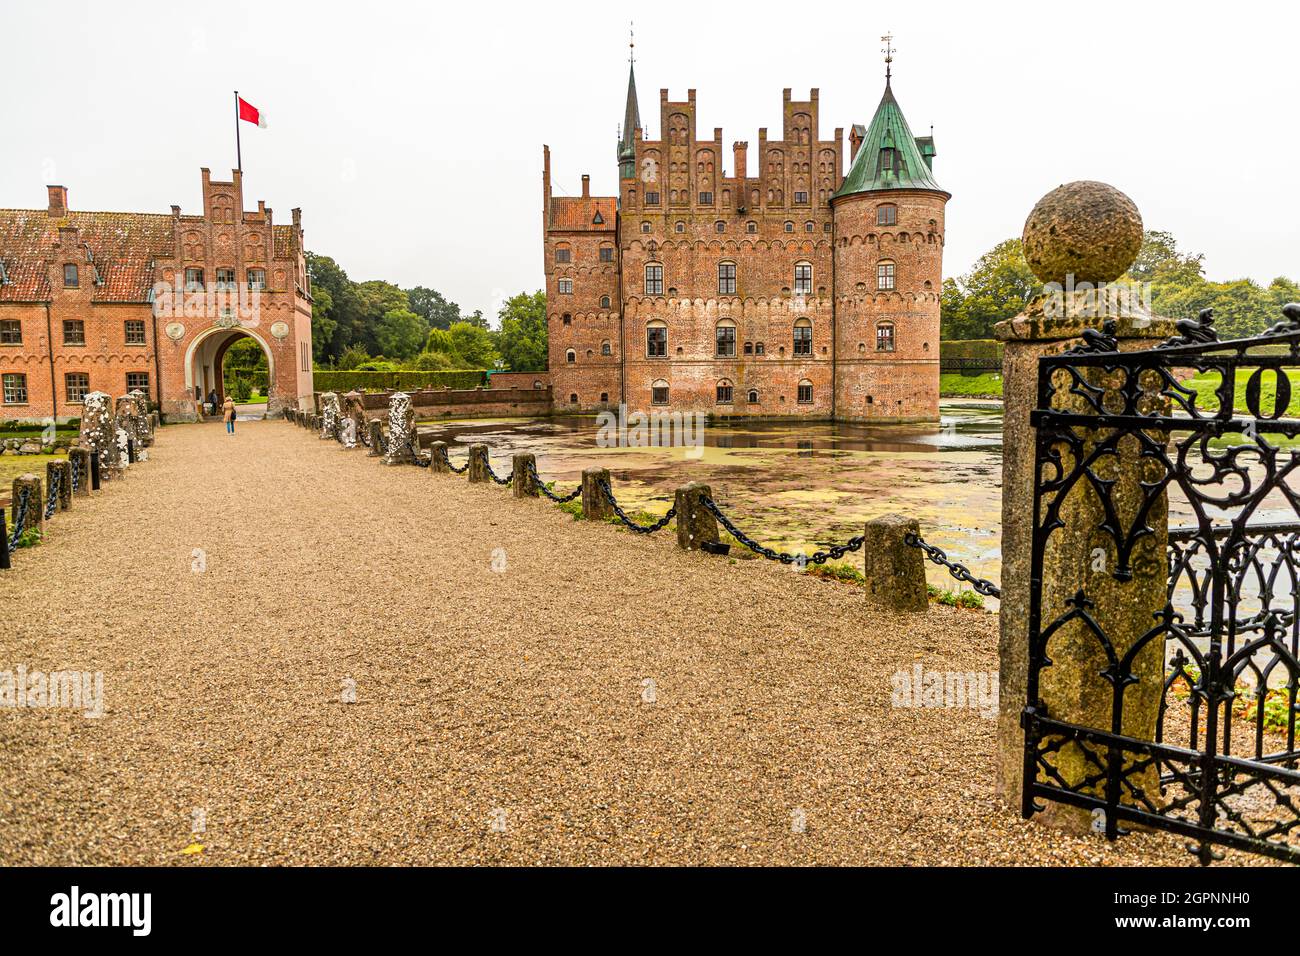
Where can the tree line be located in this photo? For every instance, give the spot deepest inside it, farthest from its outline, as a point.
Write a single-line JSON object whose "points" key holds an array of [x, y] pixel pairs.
{"points": [[1001, 284], [377, 326]]}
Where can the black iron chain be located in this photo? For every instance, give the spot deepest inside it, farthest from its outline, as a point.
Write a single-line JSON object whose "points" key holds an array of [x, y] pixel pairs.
{"points": [[628, 522], [76, 474], [819, 557], [487, 462], [541, 486], [20, 517], [957, 570], [420, 460], [53, 489], [459, 471]]}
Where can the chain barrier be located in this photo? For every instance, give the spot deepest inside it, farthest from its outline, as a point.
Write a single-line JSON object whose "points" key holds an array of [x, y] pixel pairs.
{"points": [[20, 518], [628, 522], [420, 460], [487, 462], [957, 570], [541, 486], [459, 471], [76, 474], [53, 489], [818, 557]]}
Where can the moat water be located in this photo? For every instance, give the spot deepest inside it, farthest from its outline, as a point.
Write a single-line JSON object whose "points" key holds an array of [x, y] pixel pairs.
{"points": [[792, 486]]}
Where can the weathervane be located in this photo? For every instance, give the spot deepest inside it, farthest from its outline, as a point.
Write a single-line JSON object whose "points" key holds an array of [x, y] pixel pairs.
{"points": [[631, 41], [888, 50]]}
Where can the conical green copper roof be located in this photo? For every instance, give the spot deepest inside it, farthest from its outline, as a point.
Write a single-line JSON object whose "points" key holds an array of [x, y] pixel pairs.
{"points": [[908, 168]]}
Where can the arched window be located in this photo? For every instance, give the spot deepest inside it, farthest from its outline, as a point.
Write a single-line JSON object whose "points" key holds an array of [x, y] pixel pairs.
{"points": [[803, 278], [725, 337], [803, 337], [885, 276], [645, 227], [656, 339], [886, 214], [789, 227], [885, 337], [679, 226], [805, 392], [749, 348], [654, 279], [751, 227], [726, 278], [537, 384], [758, 348], [724, 392], [809, 226], [570, 356], [753, 396], [659, 392], [567, 319], [605, 347], [573, 398], [719, 226], [604, 302]]}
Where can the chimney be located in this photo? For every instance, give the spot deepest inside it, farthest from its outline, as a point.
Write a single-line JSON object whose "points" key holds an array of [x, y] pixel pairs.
{"points": [[740, 151], [58, 201], [586, 186]]}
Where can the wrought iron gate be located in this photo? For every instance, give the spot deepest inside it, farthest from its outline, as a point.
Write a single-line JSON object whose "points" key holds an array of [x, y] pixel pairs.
{"points": [[1120, 437]]}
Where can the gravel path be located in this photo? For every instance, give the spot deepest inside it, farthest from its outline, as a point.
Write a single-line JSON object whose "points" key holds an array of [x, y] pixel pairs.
{"points": [[500, 717]]}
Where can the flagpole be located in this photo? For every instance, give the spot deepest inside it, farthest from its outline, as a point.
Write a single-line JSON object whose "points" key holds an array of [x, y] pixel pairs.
{"points": [[239, 154]]}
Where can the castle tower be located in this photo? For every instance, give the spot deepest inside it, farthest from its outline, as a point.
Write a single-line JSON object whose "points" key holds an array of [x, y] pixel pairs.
{"points": [[889, 229]]}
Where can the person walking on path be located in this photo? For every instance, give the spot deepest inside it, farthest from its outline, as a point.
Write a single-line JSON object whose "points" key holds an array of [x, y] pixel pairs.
{"points": [[230, 415]]}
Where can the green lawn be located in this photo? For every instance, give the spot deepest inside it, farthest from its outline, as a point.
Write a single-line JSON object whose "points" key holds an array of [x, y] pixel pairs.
{"points": [[955, 383], [1206, 384], [11, 466]]}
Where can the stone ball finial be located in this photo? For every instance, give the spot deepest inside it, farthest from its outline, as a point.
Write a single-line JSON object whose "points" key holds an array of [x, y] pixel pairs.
{"points": [[1086, 229]]}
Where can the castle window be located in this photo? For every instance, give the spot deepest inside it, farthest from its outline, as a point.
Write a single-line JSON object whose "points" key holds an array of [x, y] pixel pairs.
{"points": [[753, 396], [719, 226], [226, 280], [563, 254], [76, 385], [886, 159], [679, 226], [70, 278], [137, 381], [724, 392], [726, 278], [604, 397], [803, 278], [606, 253], [15, 388], [645, 227], [725, 339], [749, 348], [604, 302], [885, 337], [656, 340], [826, 227], [11, 332], [758, 348], [803, 337], [789, 227], [605, 348], [573, 398], [659, 393], [652, 199], [751, 227], [654, 279], [567, 319], [706, 199], [74, 332], [193, 280], [809, 226], [598, 219], [564, 286], [801, 197], [885, 276], [134, 332], [886, 214], [805, 393], [571, 356], [256, 280]]}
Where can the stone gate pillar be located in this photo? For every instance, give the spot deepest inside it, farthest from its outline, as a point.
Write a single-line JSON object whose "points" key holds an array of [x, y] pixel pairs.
{"points": [[1078, 234]]}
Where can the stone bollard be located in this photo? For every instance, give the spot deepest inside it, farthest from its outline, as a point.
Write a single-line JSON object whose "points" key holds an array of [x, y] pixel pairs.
{"points": [[523, 483], [33, 516], [895, 570], [478, 464], [1070, 689], [696, 526], [401, 430], [63, 470], [79, 461], [329, 403], [98, 433], [595, 506], [376, 438], [438, 458]]}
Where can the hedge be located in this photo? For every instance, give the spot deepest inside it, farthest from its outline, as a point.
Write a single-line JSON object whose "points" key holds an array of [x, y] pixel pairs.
{"points": [[971, 349], [343, 382]]}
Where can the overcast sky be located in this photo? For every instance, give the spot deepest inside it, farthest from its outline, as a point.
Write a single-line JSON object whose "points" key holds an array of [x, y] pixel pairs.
{"points": [[412, 136]]}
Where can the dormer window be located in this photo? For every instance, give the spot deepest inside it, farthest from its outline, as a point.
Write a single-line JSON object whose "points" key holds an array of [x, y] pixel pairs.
{"points": [[886, 159], [597, 219]]}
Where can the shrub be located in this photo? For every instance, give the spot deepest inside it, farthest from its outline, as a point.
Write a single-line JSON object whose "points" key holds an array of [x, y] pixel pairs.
{"points": [[407, 380]]}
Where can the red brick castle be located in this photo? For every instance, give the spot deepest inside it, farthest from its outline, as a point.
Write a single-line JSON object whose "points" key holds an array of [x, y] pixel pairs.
{"points": [[793, 290], [111, 302]]}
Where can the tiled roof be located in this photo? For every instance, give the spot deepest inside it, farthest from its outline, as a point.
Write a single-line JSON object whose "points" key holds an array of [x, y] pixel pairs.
{"points": [[283, 237], [575, 213], [123, 245]]}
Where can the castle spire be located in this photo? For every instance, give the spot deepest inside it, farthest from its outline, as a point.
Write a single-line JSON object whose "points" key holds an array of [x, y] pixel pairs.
{"points": [[888, 50], [631, 117]]}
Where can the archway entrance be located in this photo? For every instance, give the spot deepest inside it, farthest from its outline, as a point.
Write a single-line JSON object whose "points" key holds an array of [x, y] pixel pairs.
{"points": [[215, 370]]}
